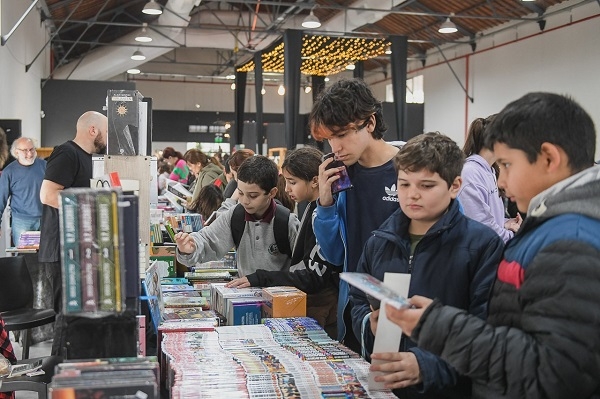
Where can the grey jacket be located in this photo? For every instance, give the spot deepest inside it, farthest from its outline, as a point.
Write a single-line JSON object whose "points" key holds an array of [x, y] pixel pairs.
{"points": [[256, 249]]}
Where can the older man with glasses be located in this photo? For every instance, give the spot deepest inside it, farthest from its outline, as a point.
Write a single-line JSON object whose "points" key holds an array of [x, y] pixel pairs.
{"points": [[20, 183]]}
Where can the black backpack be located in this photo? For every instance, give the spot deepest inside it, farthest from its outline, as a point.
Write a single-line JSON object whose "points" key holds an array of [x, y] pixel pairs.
{"points": [[280, 227]]}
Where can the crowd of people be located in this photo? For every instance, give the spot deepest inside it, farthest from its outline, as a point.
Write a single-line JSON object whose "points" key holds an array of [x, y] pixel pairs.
{"points": [[515, 312]]}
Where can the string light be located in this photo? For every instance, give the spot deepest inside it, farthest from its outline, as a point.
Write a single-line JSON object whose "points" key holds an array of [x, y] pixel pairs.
{"points": [[323, 55]]}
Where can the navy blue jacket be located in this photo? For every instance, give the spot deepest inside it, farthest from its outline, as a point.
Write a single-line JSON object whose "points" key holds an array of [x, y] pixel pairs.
{"points": [[455, 261]]}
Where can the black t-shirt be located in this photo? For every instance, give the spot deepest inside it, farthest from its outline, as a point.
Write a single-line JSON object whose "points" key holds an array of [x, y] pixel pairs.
{"points": [[70, 166], [372, 200]]}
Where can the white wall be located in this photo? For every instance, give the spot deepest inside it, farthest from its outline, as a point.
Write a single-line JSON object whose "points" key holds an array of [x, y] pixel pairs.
{"points": [[183, 96], [564, 59], [20, 93]]}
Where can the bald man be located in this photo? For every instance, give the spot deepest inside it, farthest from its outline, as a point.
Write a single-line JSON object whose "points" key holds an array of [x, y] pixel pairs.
{"points": [[69, 165]]}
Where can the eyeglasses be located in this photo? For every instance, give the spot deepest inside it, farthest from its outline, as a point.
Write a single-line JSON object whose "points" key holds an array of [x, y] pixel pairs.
{"points": [[26, 150]]}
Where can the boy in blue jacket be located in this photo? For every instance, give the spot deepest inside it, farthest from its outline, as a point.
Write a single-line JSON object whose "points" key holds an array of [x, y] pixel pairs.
{"points": [[541, 338], [448, 256]]}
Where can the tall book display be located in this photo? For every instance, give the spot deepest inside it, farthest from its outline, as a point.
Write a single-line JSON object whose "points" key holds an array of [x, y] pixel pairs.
{"points": [[100, 290]]}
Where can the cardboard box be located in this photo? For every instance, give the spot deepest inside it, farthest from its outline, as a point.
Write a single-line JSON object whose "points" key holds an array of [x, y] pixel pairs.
{"points": [[165, 254], [283, 302]]}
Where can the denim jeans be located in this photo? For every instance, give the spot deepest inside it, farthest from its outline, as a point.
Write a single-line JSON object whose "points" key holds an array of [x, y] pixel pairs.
{"points": [[21, 224]]}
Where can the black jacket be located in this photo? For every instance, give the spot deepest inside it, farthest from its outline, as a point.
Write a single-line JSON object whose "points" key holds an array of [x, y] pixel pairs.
{"points": [[317, 275], [542, 338]]}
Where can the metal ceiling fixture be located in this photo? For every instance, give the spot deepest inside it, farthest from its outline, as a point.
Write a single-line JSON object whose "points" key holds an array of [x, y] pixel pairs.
{"points": [[152, 8], [448, 26], [138, 56], [311, 21]]}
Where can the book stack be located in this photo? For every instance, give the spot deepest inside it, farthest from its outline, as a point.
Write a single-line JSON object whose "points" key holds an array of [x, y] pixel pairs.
{"points": [[106, 378], [29, 240], [186, 222], [283, 358], [92, 250]]}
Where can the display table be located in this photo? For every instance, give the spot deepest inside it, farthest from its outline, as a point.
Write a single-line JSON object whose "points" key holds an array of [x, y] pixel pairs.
{"points": [[283, 358]]}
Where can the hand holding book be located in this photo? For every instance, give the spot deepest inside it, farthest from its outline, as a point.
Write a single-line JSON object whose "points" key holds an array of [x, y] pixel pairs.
{"points": [[375, 289], [185, 243]]}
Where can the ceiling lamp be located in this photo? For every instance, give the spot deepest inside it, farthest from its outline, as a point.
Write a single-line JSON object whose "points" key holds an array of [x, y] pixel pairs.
{"points": [[133, 71], [307, 89], [351, 67], [138, 56], [448, 26], [143, 36], [233, 86], [281, 90], [152, 8], [388, 50], [263, 91], [311, 21]]}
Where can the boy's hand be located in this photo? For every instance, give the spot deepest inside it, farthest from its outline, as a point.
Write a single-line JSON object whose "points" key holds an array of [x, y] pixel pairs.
{"points": [[408, 318], [401, 368], [185, 243], [326, 177], [373, 319], [241, 282], [514, 224]]}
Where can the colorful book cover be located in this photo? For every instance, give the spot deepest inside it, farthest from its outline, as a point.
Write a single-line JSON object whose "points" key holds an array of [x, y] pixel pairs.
{"points": [[71, 274], [171, 314], [87, 252], [106, 267], [185, 302]]}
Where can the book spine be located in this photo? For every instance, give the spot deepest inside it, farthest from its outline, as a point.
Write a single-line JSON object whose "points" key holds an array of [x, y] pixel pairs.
{"points": [[106, 268], [71, 274], [87, 252], [119, 267]]}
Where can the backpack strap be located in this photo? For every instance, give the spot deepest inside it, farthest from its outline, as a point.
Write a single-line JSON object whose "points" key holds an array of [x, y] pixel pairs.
{"points": [[280, 227], [280, 230], [238, 224]]}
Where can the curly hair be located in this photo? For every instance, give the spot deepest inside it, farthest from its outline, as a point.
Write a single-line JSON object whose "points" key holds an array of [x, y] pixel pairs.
{"points": [[347, 104]]}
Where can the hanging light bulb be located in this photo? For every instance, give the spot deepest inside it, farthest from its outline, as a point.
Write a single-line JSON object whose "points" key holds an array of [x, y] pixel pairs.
{"points": [[138, 56], [448, 26], [133, 71], [143, 36], [152, 8], [351, 67], [281, 90], [311, 21], [307, 89], [388, 50], [263, 91], [233, 86]]}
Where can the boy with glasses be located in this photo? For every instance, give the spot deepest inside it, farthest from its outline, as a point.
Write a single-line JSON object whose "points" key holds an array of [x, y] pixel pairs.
{"points": [[21, 182]]}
